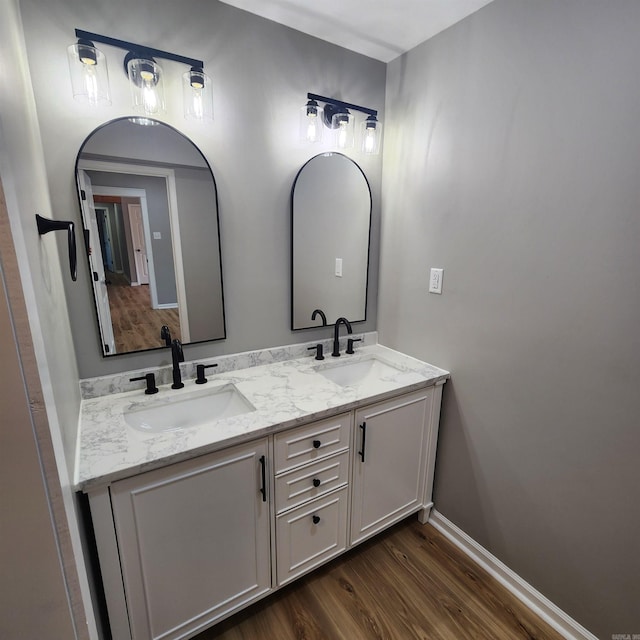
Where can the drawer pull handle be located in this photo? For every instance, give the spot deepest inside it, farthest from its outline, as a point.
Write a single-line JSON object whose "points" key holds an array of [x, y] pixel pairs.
{"points": [[317, 444], [316, 519], [363, 426], [263, 474], [316, 482]]}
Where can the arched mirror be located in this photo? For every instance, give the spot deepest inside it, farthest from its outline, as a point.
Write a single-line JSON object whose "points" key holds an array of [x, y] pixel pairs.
{"points": [[150, 214], [330, 228]]}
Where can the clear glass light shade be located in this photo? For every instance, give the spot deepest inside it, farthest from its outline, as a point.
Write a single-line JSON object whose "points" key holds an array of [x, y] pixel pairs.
{"points": [[371, 135], [147, 87], [342, 125], [89, 74], [197, 95], [311, 123]]}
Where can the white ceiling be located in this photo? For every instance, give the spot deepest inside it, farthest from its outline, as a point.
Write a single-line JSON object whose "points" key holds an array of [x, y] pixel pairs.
{"points": [[381, 29]]}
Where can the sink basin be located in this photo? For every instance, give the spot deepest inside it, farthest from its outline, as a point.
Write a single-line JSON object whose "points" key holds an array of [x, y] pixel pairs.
{"points": [[350, 374], [186, 409]]}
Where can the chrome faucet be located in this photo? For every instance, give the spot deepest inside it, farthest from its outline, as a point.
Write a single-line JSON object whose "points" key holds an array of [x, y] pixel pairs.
{"points": [[336, 335], [177, 356]]}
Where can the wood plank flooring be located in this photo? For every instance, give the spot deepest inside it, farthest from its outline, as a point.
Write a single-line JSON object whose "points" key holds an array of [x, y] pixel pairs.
{"points": [[409, 582], [136, 325]]}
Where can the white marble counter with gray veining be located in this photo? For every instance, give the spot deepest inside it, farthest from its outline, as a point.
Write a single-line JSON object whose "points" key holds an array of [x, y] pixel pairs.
{"points": [[284, 394]]}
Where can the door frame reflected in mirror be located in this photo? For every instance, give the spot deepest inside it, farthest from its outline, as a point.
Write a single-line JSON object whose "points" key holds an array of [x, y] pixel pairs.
{"points": [[174, 221]]}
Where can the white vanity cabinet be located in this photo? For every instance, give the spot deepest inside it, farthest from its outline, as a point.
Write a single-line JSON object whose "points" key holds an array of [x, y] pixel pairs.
{"points": [[183, 546], [394, 454], [194, 540]]}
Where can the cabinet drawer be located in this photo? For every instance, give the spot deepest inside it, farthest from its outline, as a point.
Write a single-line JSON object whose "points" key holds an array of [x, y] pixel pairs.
{"points": [[310, 535], [311, 481], [311, 442]]}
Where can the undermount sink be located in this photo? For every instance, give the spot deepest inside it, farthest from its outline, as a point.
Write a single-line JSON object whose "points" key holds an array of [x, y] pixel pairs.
{"points": [[350, 374], [187, 409]]}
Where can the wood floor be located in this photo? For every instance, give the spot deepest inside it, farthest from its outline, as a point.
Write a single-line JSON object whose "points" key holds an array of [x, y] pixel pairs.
{"points": [[136, 325], [410, 582]]}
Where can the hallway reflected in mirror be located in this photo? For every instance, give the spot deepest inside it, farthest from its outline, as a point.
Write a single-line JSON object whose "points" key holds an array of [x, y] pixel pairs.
{"points": [[136, 325]]}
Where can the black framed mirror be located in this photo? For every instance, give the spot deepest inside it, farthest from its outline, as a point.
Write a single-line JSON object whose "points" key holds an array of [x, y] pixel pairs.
{"points": [[330, 240], [149, 208]]}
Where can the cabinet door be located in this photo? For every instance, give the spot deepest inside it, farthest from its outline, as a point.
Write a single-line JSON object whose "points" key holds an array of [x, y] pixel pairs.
{"points": [[389, 483], [194, 541]]}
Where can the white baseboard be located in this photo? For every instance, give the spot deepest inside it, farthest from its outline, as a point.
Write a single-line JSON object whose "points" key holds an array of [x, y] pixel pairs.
{"points": [[541, 606]]}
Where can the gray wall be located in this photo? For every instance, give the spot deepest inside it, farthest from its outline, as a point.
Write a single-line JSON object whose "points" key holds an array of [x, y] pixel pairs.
{"points": [[261, 74], [512, 160]]}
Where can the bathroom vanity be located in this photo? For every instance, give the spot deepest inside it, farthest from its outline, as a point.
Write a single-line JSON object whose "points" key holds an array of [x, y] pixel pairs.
{"points": [[194, 522]]}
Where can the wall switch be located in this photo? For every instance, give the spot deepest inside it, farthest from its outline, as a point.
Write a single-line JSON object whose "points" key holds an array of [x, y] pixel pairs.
{"points": [[435, 281], [339, 267], [157, 235]]}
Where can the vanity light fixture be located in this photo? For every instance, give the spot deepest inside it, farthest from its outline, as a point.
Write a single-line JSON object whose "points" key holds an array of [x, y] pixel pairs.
{"points": [[89, 73], [197, 95], [146, 83], [311, 122], [371, 135], [337, 115]]}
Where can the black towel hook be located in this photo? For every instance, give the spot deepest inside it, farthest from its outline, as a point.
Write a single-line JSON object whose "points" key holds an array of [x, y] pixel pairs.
{"points": [[46, 224]]}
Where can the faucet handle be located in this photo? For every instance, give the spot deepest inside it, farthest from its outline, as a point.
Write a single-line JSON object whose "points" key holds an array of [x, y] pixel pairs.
{"points": [[200, 379], [350, 342], [151, 383], [318, 349]]}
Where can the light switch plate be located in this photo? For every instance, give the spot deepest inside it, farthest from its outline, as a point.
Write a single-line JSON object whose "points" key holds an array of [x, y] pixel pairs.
{"points": [[339, 267], [435, 281]]}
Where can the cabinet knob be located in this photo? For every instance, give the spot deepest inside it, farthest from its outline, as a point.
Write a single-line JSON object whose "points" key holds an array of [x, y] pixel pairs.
{"points": [[316, 519], [316, 482], [316, 444]]}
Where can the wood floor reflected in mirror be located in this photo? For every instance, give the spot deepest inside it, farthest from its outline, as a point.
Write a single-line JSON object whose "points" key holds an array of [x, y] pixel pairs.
{"points": [[408, 583], [136, 325]]}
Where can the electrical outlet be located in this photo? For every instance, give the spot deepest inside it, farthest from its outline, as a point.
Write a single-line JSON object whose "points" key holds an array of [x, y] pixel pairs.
{"points": [[435, 281]]}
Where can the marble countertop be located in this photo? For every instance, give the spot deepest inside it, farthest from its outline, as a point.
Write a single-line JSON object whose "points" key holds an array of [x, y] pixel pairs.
{"points": [[284, 394]]}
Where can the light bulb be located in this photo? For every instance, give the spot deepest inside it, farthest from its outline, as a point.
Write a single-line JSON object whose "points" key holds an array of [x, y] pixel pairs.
{"points": [[312, 128], [311, 122], [342, 135], [342, 123], [91, 85], [369, 140], [147, 87], [149, 99], [371, 134], [198, 107], [89, 76], [197, 95]]}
